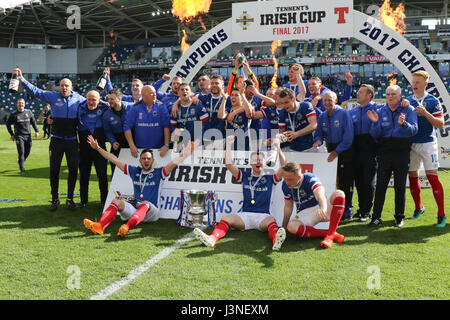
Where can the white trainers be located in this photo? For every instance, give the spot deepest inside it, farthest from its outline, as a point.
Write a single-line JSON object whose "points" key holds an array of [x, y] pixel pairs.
{"points": [[279, 239], [204, 238]]}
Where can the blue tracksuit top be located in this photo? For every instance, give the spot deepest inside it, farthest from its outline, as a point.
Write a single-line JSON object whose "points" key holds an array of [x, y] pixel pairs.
{"points": [[113, 121], [89, 120], [125, 97], [337, 129], [64, 110], [361, 122], [387, 125], [167, 98]]}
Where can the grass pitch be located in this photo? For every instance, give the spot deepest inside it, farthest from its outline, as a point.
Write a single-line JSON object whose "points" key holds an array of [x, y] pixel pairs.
{"points": [[51, 256]]}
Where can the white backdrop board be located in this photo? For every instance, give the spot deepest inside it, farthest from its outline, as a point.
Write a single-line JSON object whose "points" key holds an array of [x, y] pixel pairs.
{"points": [[206, 171]]}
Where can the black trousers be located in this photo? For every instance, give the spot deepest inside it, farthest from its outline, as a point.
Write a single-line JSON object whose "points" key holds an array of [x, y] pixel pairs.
{"points": [[396, 162], [57, 149], [88, 156], [23, 144], [364, 169], [120, 138], [46, 129], [345, 173]]}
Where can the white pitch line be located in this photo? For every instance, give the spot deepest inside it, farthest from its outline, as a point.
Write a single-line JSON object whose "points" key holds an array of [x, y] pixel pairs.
{"points": [[141, 269]]}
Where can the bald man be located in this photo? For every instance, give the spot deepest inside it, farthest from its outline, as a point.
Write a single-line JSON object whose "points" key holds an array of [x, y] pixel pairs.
{"points": [[393, 126], [90, 122], [147, 124], [64, 119]]}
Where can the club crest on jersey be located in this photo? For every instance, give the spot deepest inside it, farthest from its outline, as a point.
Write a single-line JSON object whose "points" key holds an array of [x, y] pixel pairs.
{"points": [[155, 113], [336, 123]]}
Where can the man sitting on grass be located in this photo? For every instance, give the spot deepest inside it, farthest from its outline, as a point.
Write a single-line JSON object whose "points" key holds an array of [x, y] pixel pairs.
{"points": [[306, 191], [146, 184], [257, 191]]}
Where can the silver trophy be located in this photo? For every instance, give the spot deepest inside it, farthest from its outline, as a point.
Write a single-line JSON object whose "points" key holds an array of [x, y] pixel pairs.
{"points": [[196, 207]]}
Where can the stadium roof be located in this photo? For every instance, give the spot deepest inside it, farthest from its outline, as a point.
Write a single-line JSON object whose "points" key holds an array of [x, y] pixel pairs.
{"points": [[45, 21]]}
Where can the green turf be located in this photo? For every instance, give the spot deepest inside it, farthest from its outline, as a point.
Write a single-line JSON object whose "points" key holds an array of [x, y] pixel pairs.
{"points": [[39, 250]]}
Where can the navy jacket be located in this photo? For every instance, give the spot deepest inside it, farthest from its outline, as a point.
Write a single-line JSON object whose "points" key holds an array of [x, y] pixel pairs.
{"points": [[335, 129], [64, 110], [390, 135]]}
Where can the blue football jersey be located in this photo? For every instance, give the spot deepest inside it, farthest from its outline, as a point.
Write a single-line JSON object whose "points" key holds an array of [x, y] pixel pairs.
{"points": [[262, 191], [426, 132], [146, 186], [303, 194]]}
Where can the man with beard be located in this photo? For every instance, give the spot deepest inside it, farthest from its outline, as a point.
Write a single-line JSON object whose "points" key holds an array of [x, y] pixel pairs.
{"points": [[146, 185], [113, 122]]}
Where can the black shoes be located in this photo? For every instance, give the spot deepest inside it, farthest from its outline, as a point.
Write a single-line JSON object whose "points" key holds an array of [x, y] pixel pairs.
{"points": [[376, 222], [55, 204], [398, 222], [364, 217], [71, 205]]}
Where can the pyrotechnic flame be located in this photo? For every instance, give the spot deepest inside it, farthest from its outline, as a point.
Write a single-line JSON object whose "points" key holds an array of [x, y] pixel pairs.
{"points": [[394, 19], [392, 77], [184, 45], [201, 22], [187, 10], [273, 48], [113, 55]]}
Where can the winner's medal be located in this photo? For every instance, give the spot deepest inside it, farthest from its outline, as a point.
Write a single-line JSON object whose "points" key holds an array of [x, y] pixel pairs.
{"points": [[142, 185], [252, 188]]}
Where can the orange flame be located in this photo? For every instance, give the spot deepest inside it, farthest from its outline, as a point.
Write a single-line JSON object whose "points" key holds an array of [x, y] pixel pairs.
{"points": [[184, 45], [273, 49], [394, 19], [392, 77], [187, 10], [113, 55], [201, 22]]}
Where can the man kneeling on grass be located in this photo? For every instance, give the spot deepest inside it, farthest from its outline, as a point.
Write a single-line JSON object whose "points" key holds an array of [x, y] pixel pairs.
{"points": [[257, 192], [312, 206], [146, 184]]}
